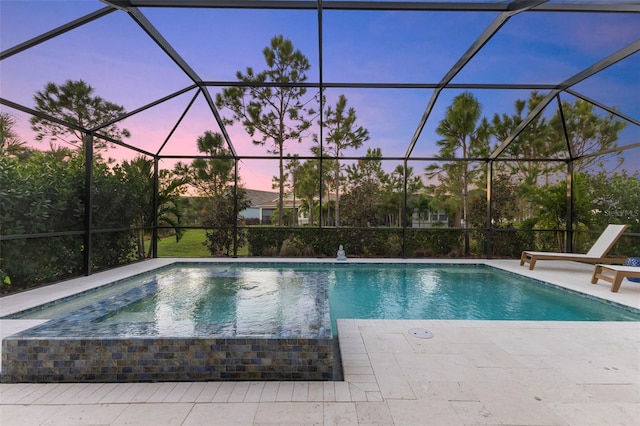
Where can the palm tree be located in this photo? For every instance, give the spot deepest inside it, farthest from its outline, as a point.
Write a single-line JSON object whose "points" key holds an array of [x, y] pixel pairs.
{"points": [[274, 114], [394, 196], [11, 144], [534, 141], [211, 176], [75, 102], [307, 178], [464, 137], [342, 133], [139, 173]]}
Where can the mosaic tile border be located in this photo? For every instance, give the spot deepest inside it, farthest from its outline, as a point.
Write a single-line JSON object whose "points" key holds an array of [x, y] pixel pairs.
{"points": [[165, 359]]}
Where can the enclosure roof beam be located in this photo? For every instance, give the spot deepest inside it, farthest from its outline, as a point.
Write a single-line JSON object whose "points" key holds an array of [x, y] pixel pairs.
{"points": [[617, 149], [156, 36], [48, 117], [337, 85], [55, 32], [364, 158], [159, 39], [451, 6], [216, 115], [184, 113], [571, 81], [145, 107], [604, 107], [515, 7], [42, 115]]}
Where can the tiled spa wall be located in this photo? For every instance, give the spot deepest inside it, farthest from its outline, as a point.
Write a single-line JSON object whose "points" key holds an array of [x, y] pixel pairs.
{"points": [[165, 359]]}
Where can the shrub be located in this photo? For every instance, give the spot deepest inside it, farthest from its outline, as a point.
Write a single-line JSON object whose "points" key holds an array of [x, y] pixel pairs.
{"points": [[292, 246], [368, 242], [42, 194]]}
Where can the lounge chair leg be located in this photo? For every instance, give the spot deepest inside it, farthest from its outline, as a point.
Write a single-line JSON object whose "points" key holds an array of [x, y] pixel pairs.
{"points": [[596, 272], [617, 281], [526, 257]]}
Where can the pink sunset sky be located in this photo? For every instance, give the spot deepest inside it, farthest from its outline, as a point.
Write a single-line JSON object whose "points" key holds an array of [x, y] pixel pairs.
{"points": [[118, 59]]}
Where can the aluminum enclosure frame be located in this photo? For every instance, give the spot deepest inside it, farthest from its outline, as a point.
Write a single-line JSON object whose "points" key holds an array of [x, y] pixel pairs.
{"points": [[505, 10]]}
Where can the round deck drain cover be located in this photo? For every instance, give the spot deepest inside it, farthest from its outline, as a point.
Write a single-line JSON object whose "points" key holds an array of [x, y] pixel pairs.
{"points": [[421, 333]]}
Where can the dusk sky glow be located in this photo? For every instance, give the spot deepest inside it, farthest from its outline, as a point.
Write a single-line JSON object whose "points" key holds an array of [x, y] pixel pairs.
{"points": [[116, 57]]}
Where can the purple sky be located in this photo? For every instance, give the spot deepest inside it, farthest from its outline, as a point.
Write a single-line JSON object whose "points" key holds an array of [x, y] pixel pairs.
{"points": [[124, 66]]}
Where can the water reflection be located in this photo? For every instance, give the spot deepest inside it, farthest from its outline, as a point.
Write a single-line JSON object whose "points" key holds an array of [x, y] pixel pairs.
{"points": [[238, 301]]}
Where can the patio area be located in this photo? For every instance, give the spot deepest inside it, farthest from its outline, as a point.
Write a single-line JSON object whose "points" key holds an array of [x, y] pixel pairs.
{"points": [[470, 372], [443, 132]]}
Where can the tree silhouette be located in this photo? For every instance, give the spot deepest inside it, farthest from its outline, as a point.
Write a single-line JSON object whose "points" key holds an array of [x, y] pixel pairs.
{"points": [[274, 113], [342, 133], [465, 136], [74, 102]]}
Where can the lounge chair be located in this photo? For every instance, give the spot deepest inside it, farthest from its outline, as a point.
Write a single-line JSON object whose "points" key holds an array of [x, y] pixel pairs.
{"points": [[617, 274], [596, 254]]}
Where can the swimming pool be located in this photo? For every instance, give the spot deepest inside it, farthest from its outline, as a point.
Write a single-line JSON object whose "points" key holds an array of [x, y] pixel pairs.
{"points": [[250, 296], [262, 321]]}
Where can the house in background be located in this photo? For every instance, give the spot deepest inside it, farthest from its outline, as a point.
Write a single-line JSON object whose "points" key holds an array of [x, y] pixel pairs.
{"points": [[429, 219], [262, 205]]}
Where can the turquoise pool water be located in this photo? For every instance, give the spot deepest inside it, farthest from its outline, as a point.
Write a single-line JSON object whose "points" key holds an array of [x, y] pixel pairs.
{"points": [[261, 298], [461, 292], [237, 301]]}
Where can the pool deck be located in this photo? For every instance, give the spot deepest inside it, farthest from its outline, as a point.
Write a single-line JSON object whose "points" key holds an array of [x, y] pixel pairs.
{"points": [[469, 373]]}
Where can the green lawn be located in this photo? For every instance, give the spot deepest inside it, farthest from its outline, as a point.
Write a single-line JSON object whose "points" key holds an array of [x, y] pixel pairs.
{"points": [[190, 245]]}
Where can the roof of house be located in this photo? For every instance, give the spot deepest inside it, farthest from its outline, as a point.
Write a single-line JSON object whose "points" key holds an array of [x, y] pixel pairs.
{"points": [[259, 198], [269, 199]]}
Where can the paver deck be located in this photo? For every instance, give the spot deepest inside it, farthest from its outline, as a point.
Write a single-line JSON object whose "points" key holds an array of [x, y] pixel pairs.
{"points": [[469, 373]]}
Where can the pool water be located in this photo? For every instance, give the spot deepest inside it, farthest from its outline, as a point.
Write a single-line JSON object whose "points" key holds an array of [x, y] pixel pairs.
{"points": [[257, 298], [461, 292], [240, 301]]}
